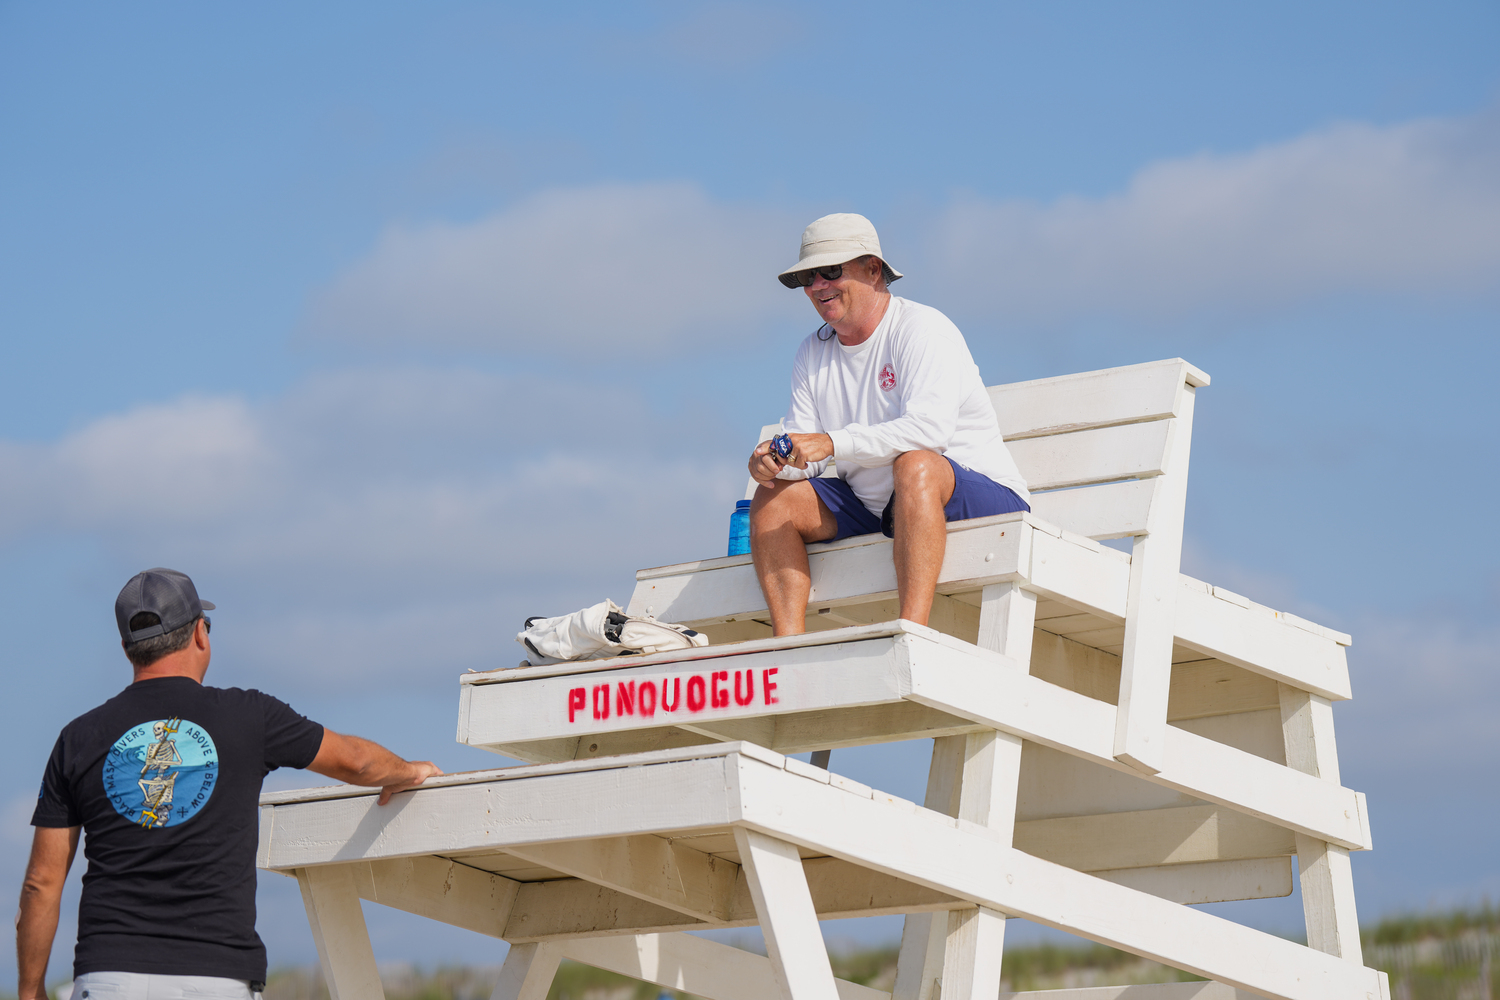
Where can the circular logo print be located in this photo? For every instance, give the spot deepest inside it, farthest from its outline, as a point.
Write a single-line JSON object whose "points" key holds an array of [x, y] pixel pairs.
{"points": [[161, 773], [887, 378]]}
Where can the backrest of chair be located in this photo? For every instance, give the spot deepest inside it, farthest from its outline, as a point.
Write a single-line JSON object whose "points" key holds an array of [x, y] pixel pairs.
{"points": [[1089, 444]]}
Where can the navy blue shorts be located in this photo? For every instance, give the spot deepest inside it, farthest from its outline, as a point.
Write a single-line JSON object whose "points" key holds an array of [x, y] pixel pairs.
{"points": [[973, 496]]}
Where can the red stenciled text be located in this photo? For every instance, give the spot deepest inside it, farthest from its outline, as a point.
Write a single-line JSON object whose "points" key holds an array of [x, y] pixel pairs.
{"points": [[644, 698]]}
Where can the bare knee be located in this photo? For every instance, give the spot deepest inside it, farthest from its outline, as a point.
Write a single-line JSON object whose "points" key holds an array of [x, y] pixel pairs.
{"points": [[922, 473], [790, 503]]}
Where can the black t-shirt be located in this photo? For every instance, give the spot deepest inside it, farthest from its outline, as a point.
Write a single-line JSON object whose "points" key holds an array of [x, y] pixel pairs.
{"points": [[164, 778]]}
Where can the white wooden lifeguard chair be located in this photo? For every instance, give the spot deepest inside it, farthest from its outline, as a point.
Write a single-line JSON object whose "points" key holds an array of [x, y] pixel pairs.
{"points": [[1113, 740]]}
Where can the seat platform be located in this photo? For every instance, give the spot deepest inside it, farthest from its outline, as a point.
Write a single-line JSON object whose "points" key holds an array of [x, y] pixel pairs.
{"points": [[650, 844]]}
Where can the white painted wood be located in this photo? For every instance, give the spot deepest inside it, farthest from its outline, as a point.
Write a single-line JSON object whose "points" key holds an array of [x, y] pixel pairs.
{"points": [[693, 965], [1004, 698], [1102, 454], [1150, 624], [1006, 619], [439, 889], [499, 774], [1152, 837], [1209, 881], [1152, 991], [647, 867], [572, 908], [966, 861], [338, 929], [1109, 510], [1323, 869], [794, 942], [528, 972], [720, 972], [1149, 391], [919, 963], [1257, 639], [618, 802]]}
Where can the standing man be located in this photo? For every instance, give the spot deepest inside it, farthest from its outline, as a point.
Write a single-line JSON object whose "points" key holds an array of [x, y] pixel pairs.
{"points": [[888, 389], [165, 778]]}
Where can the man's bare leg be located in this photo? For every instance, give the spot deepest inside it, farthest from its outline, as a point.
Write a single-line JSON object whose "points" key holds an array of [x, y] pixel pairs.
{"points": [[924, 485], [783, 519]]}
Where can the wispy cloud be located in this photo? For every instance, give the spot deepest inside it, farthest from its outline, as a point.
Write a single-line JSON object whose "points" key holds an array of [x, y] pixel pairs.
{"points": [[611, 269], [1412, 208], [386, 519]]}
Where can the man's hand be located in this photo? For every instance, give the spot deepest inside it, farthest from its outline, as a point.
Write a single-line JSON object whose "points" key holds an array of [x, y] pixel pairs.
{"points": [[805, 448], [360, 762], [420, 771], [52, 850]]}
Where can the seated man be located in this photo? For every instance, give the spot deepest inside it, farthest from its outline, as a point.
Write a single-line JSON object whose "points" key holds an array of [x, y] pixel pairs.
{"points": [[888, 389]]}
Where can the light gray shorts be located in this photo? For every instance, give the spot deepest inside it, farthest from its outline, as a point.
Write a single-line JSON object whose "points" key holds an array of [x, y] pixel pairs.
{"points": [[141, 986]]}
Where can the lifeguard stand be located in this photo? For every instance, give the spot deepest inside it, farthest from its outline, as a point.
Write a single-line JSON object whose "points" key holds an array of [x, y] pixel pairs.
{"points": [[1112, 740]]}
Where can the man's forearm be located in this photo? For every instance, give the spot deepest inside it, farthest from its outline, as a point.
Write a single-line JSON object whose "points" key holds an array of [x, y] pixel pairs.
{"points": [[36, 927]]}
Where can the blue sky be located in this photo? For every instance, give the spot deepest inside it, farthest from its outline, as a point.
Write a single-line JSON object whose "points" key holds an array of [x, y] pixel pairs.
{"points": [[394, 324]]}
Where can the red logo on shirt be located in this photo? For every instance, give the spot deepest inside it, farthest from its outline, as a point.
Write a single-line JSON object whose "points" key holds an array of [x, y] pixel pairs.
{"points": [[887, 378]]}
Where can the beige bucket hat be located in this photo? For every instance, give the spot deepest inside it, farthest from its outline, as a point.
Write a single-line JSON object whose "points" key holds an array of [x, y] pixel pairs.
{"points": [[836, 239]]}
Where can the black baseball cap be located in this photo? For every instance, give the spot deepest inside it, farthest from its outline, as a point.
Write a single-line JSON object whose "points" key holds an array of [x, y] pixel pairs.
{"points": [[165, 593]]}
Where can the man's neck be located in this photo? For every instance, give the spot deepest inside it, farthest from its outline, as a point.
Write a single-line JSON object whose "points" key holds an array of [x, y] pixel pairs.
{"points": [[171, 666], [856, 332]]}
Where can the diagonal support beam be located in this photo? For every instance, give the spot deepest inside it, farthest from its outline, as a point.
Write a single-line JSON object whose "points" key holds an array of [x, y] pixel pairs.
{"points": [[787, 919], [646, 867], [338, 929]]}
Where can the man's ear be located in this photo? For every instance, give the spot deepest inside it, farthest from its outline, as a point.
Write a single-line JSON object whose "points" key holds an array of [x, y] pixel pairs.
{"points": [[200, 635]]}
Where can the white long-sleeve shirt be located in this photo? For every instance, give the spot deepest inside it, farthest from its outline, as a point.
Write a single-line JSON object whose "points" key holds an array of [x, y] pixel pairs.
{"points": [[912, 385]]}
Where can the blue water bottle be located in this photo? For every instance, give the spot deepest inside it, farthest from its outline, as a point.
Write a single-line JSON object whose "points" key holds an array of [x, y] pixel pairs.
{"points": [[739, 529]]}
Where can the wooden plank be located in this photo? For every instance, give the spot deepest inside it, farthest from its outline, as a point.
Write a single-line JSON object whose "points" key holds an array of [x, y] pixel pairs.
{"points": [[1151, 618], [338, 929], [1098, 455], [788, 921], [964, 859], [527, 972], [1152, 837], [647, 867], [1108, 510], [693, 965], [439, 889], [1090, 580], [572, 908], [852, 570], [1092, 399], [1258, 642], [798, 732], [1006, 621], [919, 963], [795, 678], [1152, 991], [1209, 881], [1323, 869], [1006, 699], [612, 802]]}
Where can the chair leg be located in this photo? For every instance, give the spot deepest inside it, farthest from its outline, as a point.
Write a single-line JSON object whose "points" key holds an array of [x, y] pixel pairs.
{"points": [[528, 972], [338, 929], [1323, 869], [794, 942]]}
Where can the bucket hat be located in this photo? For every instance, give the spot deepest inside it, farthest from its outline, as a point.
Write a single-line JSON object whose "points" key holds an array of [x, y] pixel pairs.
{"points": [[836, 239]]}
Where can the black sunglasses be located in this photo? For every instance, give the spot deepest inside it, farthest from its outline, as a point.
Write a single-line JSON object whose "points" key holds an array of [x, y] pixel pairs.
{"points": [[208, 626], [803, 279]]}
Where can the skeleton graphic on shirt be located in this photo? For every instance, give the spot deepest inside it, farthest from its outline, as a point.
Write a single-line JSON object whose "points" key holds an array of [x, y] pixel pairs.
{"points": [[157, 779]]}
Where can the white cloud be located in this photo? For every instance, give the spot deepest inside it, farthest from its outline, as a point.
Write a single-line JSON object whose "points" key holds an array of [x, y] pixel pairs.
{"points": [[177, 463], [613, 269], [1413, 208], [384, 519]]}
